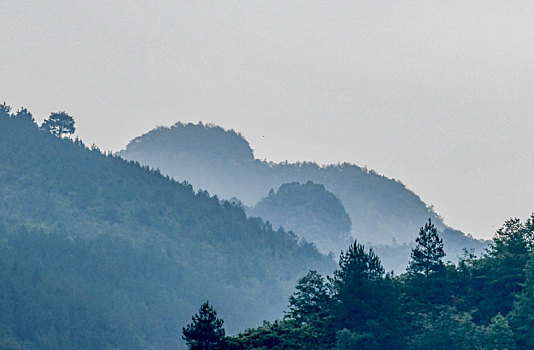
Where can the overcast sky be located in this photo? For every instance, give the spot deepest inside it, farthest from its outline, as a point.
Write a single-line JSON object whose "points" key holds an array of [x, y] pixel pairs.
{"points": [[437, 94]]}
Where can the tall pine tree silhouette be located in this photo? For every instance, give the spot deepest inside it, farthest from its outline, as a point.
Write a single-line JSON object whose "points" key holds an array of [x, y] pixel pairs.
{"points": [[428, 252], [206, 332]]}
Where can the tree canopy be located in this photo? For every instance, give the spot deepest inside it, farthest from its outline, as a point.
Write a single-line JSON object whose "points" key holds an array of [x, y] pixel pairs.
{"points": [[206, 332], [428, 252], [101, 253], [362, 307], [59, 124]]}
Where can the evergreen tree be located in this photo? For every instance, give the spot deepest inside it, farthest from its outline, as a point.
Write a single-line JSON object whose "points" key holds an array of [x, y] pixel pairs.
{"points": [[310, 302], [443, 328], [365, 301], [522, 317], [500, 277], [206, 332], [59, 124], [309, 312], [497, 335], [428, 253]]}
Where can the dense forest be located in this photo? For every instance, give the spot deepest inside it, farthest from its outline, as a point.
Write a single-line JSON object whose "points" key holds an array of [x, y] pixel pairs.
{"points": [[383, 212], [481, 303], [97, 252]]}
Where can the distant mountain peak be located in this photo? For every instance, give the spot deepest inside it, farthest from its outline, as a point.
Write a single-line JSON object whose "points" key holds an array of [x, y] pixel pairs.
{"points": [[309, 210], [209, 141]]}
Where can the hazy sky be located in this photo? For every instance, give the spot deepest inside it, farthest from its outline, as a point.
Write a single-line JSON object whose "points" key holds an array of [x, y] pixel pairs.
{"points": [[438, 94]]}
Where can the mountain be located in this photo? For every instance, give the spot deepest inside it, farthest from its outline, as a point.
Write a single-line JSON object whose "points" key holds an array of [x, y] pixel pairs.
{"points": [[310, 211], [382, 210], [318, 216], [97, 252]]}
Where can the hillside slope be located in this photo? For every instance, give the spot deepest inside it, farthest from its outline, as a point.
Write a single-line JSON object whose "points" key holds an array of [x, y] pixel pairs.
{"points": [[382, 210], [98, 252]]}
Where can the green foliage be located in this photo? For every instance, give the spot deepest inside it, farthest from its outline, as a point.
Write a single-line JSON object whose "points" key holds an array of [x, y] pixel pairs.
{"points": [[361, 307], [444, 328], [100, 253], [113, 255], [206, 332], [365, 299], [521, 316], [280, 335], [348, 340], [497, 335], [59, 124], [309, 304], [428, 252], [500, 276]]}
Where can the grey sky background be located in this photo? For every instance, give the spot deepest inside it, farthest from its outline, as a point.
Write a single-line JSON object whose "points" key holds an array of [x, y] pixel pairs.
{"points": [[437, 94]]}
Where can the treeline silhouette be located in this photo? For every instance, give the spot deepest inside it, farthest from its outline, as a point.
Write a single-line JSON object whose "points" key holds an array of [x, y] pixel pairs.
{"points": [[222, 162], [97, 252], [480, 303], [383, 212]]}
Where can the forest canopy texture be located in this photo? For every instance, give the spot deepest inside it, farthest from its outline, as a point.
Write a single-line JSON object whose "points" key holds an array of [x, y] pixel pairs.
{"points": [[481, 303], [98, 253]]}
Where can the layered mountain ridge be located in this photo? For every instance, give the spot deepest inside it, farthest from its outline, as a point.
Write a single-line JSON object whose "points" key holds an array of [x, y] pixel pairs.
{"points": [[383, 211]]}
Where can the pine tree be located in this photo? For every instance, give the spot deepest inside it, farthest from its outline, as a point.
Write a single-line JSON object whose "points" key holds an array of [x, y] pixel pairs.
{"points": [[206, 332], [365, 300], [309, 303], [501, 276], [59, 124], [309, 312], [428, 253]]}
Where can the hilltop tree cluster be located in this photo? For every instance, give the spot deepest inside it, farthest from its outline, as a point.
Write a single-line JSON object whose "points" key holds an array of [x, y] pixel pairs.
{"points": [[481, 303]]}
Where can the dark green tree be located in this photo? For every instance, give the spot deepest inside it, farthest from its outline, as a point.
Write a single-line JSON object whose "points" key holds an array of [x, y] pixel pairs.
{"points": [[521, 317], [444, 328], [309, 312], [500, 277], [59, 124], [428, 253], [497, 335], [206, 332], [310, 302], [365, 300]]}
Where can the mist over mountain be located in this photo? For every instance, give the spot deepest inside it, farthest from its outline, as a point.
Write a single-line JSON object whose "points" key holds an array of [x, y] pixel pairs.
{"points": [[98, 252], [309, 210], [382, 210]]}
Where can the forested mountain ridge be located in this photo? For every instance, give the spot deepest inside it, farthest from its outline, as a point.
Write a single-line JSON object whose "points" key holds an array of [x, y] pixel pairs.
{"points": [[383, 211], [99, 252]]}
